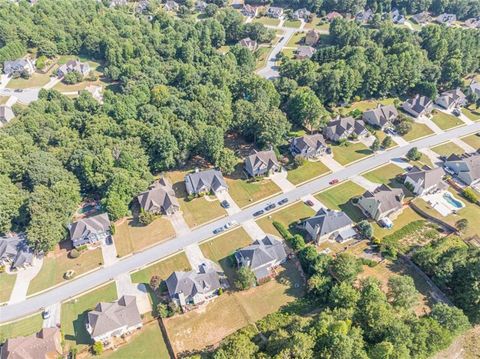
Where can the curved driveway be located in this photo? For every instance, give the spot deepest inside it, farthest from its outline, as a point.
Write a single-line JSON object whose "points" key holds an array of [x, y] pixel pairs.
{"points": [[141, 259]]}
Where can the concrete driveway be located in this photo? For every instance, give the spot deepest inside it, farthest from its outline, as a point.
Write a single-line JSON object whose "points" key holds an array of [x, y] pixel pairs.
{"points": [[178, 222], [253, 230], [24, 276], [330, 162], [125, 287], [225, 196], [196, 258], [280, 179], [363, 182], [25, 96], [4, 81], [109, 253], [317, 205], [54, 319]]}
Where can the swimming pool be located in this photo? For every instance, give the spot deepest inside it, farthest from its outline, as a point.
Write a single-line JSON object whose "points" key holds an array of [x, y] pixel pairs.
{"points": [[452, 201]]}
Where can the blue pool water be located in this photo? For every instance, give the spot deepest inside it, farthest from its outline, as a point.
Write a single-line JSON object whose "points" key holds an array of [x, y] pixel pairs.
{"points": [[448, 197]]}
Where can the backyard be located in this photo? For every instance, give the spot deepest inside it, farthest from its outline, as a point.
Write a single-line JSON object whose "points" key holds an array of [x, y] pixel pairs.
{"points": [[74, 313], [407, 216], [318, 23], [366, 105], [7, 281], [445, 121], [338, 198], [288, 216], [350, 152], [22, 327], [447, 149], [418, 130], [131, 236], [307, 171]]}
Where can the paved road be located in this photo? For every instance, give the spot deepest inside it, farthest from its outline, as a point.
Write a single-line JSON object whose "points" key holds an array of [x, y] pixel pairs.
{"points": [[141, 259], [25, 96]]}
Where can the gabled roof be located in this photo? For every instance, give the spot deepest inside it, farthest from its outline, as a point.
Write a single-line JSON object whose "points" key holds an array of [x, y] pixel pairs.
{"points": [[340, 125], [446, 18], [387, 198], [305, 51], [326, 222], [47, 343], [210, 178], [430, 177], [109, 316], [384, 114], [452, 96], [160, 195], [419, 103], [248, 43], [310, 142], [261, 159], [86, 226], [75, 65], [16, 249], [191, 283], [471, 161]]}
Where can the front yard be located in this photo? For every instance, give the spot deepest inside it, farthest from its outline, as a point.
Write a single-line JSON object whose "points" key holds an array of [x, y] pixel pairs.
{"points": [[131, 236], [262, 56], [418, 130], [297, 39], [22, 327], [338, 198], [292, 23], [350, 152], [472, 140], [445, 121], [36, 80], [308, 171], [7, 281], [384, 174], [447, 149], [472, 112], [265, 20], [163, 269]]}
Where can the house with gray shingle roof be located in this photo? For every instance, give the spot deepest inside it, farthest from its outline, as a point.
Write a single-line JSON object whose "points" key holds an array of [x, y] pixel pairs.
{"points": [[82, 68], [90, 231], [425, 180], [248, 43], [6, 114], [171, 5], [327, 224], [206, 181], [474, 88], [465, 166], [397, 17], [274, 12], [342, 128], [451, 99], [446, 19], [301, 14], [418, 106], [309, 146], [382, 116], [262, 163], [15, 252], [193, 288], [364, 16], [304, 52], [473, 23], [114, 319], [382, 202], [312, 37], [160, 198], [46, 344], [249, 10], [262, 256], [18, 67], [421, 18]]}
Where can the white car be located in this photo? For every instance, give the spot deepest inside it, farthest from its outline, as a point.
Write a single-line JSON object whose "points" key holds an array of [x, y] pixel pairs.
{"points": [[231, 224]]}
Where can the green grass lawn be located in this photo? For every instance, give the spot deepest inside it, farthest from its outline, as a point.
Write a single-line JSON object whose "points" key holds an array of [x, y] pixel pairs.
{"points": [[381, 135], [292, 23], [350, 152], [318, 23], [407, 216], [289, 53], [288, 216], [445, 121], [447, 149], [383, 174], [472, 140], [338, 198], [472, 112], [7, 281], [423, 161], [146, 343], [22, 327], [308, 171], [74, 313], [296, 40], [95, 66], [366, 105], [418, 130], [262, 56], [267, 20], [57, 263], [36, 80], [163, 269]]}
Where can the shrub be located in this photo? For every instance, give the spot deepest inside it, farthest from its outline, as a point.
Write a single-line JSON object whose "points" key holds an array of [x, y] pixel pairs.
{"points": [[375, 145], [74, 253], [414, 154], [41, 62], [97, 348], [299, 161], [112, 229], [282, 230], [69, 274], [365, 229], [220, 291], [162, 311], [470, 195], [368, 262], [462, 224], [297, 242], [2, 268], [245, 278], [387, 142], [145, 217]]}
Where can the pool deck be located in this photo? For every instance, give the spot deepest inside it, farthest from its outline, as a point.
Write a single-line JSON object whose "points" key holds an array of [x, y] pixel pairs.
{"points": [[442, 205]]}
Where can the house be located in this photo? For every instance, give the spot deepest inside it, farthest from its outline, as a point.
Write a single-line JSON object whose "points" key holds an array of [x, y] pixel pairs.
{"points": [[382, 202], [446, 19], [397, 17], [171, 5], [193, 288], [115, 3], [90, 231], [309, 146], [312, 37], [262, 256], [418, 106], [18, 67], [333, 15], [160, 198], [248, 43], [15, 252], [382, 116], [474, 88], [304, 52], [46, 344], [249, 10], [425, 180], [301, 14], [82, 68], [200, 6], [204, 182], [96, 92], [473, 23], [364, 16], [342, 128], [114, 319], [275, 12], [262, 163], [6, 114], [328, 224], [451, 99], [421, 18], [465, 166]]}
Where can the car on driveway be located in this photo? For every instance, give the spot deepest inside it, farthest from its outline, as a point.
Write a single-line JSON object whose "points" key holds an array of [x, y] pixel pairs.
{"points": [[231, 224], [333, 181], [258, 213], [225, 204], [456, 112], [218, 230], [46, 314], [270, 206], [282, 201], [309, 203]]}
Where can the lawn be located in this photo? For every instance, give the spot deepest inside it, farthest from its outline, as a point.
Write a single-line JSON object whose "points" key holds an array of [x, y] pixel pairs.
{"points": [[247, 191], [472, 140], [22, 327], [418, 130], [318, 23], [423, 161], [36, 80], [473, 113], [338, 198], [198, 210], [267, 20], [350, 152], [96, 67], [381, 135], [292, 23], [232, 311], [308, 171], [296, 40], [383, 174], [163, 269], [130, 236], [74, 313], [445, 121], [223, 49], [4, 99], [366, 105], [7, 281], [407, 216], [289, 53], [447, 149], [288, 216], [56, 263], [262, 56], [146, 343]]}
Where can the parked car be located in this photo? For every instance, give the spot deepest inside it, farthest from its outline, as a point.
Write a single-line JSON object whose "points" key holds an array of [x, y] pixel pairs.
{"points": [[270, 206], [309, 203], [258, 213], [282, 201], [456, 112], [46, 314], [225, 204], [333, 181], [108, 240], [218, 230], [231, 224]]}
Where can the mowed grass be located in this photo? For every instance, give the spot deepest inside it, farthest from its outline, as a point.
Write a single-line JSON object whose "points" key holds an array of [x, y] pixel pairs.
{"points": [[383, 174], [131, 236], [350, 152], [145, 343], [296, 40], [74, 315], [407, 216], [233, 310], [262, 56], [22, 327], [447, 149], [95, 66], [267, 21], [163, 269], [472, 112], [318, 23], [308, 171], [7, 281], [36, 80], [445, 121], [292, 23], [4, 99], [381, 136], [57, 263], [418, 130], [367, 105], [338, 198], [472, 140], [289, 53], [288, 216]]}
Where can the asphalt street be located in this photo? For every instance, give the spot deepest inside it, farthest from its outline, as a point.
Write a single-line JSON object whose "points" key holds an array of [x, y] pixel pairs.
{"points": [[162, 250]]}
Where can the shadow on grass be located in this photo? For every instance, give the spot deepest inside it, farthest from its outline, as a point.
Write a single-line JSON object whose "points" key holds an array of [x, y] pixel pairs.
{"points": [[394, 183], [352, 211], [81, 335], [365, 152]]}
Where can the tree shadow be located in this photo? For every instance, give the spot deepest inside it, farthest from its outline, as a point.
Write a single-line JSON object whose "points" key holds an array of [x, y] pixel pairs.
{"points": [[365, 151]]}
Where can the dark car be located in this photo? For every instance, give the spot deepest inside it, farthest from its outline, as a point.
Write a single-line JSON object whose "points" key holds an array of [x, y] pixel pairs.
{"points": [[258, 213], [309, 203], [456, 112], [334, 181], [225, 204], [282, 201], [218, 230], [270, 206]]}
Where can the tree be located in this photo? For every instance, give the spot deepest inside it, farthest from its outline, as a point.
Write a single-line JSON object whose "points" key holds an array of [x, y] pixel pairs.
{"points": [[12, 199], [387, 142], [382, 350], [97, 348], [375, 145], [402, 292], [346, 267], [226, 161], [451, 318], [155, 282], [146, 217], [414, 154], [305, 109], [245, 278], [365, 229], [344, 295], [72, 77], [403, 127], [462, 224], [470, 195]]}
